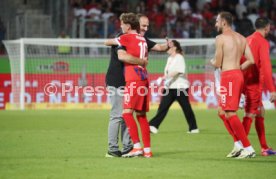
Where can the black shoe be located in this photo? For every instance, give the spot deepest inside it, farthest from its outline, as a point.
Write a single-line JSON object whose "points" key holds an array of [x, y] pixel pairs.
{"points": [[113, 154], [127, 151]]}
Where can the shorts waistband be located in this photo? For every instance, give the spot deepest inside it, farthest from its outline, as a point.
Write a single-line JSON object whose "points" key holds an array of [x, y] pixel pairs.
{"points": [[231, 71]]}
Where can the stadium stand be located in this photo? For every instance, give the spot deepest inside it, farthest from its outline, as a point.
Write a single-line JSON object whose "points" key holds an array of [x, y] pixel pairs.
{"points": [[197, 17], [99, 18]]}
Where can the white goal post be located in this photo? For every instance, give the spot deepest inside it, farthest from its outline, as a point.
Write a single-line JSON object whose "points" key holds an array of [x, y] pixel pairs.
{"points": [[36, 62]]}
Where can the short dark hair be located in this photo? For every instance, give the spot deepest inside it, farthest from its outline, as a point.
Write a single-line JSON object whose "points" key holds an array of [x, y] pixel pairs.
{"points": [[227, 16], [131, 19], [261, 22], [178, 46]]}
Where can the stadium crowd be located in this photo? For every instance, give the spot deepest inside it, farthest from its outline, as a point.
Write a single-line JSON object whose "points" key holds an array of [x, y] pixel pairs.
{"points": [[177, 18], [2, 36]]}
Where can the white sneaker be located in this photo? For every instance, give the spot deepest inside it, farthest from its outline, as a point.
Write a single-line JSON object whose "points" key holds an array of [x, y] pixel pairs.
{"points": [[134, 153], [194, 131], [235, 152], [246, 154], [153, 130]]}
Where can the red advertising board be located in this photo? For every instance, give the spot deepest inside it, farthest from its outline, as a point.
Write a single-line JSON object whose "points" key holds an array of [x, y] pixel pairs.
{"points": [[90, 88]]}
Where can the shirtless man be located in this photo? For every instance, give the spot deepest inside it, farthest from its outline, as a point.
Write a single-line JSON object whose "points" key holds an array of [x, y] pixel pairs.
{"points": [[230, 46]]}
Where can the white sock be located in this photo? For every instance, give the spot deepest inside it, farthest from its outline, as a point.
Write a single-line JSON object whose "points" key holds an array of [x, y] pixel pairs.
{"points": [[238, 144], [249, 149], [137, 145], [147, 150]]}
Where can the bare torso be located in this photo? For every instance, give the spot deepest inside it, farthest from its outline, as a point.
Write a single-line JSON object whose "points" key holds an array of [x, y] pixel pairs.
{"points": [[233, 46]]}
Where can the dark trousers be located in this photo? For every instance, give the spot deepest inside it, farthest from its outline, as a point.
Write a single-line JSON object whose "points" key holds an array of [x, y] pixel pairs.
{"points": [[181, 95]]}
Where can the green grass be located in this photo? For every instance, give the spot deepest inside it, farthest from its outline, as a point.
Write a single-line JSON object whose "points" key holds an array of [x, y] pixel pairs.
{"points": [[98, 65], [94, 65], [72, 144]]}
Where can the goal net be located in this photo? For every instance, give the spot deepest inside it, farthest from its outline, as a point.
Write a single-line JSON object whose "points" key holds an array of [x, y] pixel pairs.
{"points": [[70, 73]]}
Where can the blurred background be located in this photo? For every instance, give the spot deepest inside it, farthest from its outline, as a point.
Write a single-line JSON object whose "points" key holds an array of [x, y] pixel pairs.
{"points": [[99, 18], [87, 23]]}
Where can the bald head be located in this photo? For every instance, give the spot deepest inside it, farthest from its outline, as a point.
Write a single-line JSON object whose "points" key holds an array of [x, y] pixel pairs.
{"points": [[144, 23]]}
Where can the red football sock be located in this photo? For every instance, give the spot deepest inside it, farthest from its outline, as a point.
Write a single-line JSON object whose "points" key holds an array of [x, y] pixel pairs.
{"points": [[238, 130], [260, 128], [247, 124], [228, 127], [144, 125], [132, 127]]}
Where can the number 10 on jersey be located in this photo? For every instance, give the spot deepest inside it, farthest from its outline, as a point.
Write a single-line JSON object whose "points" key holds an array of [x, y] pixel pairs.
{"points": [[143, 49]]}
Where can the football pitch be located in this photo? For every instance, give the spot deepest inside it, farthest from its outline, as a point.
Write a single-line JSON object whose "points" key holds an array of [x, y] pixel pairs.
{"points": [[73, 143]]}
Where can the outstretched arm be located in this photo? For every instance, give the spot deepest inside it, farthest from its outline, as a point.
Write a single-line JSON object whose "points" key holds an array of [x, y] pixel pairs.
{"points": [[249, 58], [160, 47], [128, 58], [110, 42]]}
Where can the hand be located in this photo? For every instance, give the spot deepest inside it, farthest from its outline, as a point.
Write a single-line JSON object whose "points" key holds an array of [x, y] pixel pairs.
{"points": [[168, 43], [145, 60], [212, 61], [208, 63], [167, 82], [272, 97], [159, 81]]}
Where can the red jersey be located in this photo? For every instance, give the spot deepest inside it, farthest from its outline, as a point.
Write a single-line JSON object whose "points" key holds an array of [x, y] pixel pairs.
{"points": [[261, 71], [136, 45]]}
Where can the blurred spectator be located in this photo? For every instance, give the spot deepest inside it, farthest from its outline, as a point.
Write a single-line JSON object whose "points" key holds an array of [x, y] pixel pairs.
{"points": [[118, 7], [63, 35], [240, 9], [178, 30], [63, 50], [226, 5], [79, 11], [244, 26], [207, 13], [95, 12], [133, 4], [158, 17], [272, 16], [2, 36], [200, 4], [90, 5], [172, 7], [272, 38], [193, 4], [214, 5], [107, 14], [106, 4], [141, 7], [176, 18], [151, 3], [185, 7], [252, 4], [253, 15], [197, 16], [163, 33], [114, 27]]}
